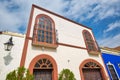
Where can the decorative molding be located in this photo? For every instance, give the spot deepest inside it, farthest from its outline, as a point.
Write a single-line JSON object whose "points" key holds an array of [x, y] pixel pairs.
{"points": [[94, 52], [55, 46], [24, 52], [44, 44], [13, 34], [69, 45], [109, 63]]}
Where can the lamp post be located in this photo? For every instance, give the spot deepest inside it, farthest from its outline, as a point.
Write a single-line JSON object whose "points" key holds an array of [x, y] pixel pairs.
{"points": [[8, 45]]}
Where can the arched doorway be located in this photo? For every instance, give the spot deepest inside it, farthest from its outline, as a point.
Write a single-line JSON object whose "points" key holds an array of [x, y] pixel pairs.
{"points": [[43, 70], [43, 67], [92, 70]]}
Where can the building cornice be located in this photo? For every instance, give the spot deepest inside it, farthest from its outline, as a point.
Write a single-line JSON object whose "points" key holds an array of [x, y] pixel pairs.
{"points": [[13, 34], [110, 51]]}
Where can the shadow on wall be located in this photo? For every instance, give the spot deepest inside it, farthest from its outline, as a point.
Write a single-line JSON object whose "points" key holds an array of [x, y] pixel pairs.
{"points": [[8, 58]]}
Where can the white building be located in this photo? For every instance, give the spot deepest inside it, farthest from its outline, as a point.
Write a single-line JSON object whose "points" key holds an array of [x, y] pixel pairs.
{"points": [[10, 60], [54, 43]]}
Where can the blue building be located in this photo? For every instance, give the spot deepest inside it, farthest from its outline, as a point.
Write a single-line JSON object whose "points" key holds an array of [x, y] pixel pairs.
{"points": [[112, 62]]}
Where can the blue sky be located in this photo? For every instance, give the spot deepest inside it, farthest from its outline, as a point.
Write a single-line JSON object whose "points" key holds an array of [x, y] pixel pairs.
{"points": [[103, 16]]}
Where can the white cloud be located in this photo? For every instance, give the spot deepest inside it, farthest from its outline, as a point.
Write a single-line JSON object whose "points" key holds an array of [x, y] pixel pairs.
{"points": [[112, 26], [97, 9], [82, 10], [110, 41], [74, 9], [12, 18]]}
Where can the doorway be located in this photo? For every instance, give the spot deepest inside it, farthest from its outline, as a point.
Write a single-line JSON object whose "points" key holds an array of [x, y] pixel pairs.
{"points": [[92, 74], [43, 70], [92, 70], [43, 74]]}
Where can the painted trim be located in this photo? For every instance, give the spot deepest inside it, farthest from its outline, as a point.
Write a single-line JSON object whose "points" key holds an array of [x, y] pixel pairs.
{"points": [[69, 45], [104, 66], [96, 44], [92, 60], [30, 38], [55, 69], [63, 44], [109, 63], [24, 53], [35, 6]]}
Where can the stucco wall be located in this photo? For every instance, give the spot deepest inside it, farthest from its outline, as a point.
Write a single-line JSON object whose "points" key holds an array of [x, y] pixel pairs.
{"points": [[61, 55], [10, 60], [65, 57], [68, 32]]}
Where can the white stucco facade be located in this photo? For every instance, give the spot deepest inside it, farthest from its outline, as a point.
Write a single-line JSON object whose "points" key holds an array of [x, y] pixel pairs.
{"points": [[66, 56], [10, 60]]}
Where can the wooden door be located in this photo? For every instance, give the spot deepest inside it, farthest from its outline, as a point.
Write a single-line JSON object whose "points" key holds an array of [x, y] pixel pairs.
{"points": [[92, 74], [43, 74]]}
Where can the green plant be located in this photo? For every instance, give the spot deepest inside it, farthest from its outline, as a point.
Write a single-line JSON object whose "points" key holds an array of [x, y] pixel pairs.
{"points": [[20, 74], [66, 74]]}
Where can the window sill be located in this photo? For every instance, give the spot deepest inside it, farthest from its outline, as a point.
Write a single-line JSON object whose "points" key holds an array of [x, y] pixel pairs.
{"points": [[43, 44], [94, 52]]}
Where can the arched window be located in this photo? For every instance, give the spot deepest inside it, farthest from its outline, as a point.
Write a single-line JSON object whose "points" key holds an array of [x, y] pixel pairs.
{"points": [[43, 64], [113, 72], [44, 31], [90, 43]]}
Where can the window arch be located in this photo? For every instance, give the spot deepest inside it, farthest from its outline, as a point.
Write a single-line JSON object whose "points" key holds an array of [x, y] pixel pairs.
{"points": [[44, 31], [113, 72], [92, 70], [43, 64], [44, 67], [90, 43]]}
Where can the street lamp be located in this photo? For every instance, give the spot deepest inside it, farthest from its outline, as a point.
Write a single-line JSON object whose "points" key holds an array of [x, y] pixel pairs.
{"points": [[8, 45]]}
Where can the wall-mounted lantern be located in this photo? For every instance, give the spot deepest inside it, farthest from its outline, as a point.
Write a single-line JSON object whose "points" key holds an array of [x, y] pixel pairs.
{"points": [[8, 45]]}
